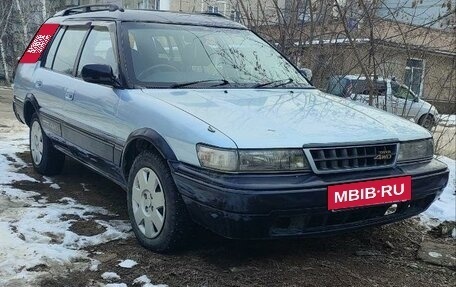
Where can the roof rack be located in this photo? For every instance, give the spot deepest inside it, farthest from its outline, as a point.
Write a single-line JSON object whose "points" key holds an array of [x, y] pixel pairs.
{"points": [[89, 8]]}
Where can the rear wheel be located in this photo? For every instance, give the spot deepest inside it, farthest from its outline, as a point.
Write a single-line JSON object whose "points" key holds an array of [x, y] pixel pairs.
{"points": [[427, 121], [45, 158], [156, 210]]}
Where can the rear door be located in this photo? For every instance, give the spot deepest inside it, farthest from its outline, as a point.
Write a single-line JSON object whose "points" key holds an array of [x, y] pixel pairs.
{"points": [[54, 76]]}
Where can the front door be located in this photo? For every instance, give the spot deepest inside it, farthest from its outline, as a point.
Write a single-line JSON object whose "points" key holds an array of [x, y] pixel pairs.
{"points": [[92, 110], [402, 101]]}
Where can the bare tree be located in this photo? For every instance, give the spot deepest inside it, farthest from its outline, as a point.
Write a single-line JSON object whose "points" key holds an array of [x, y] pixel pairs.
{"points": [[7, 9]]}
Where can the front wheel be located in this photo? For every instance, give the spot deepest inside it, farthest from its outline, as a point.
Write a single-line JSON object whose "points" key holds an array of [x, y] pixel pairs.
{"points": [[156, 210], [45, 158], [427, 121]]}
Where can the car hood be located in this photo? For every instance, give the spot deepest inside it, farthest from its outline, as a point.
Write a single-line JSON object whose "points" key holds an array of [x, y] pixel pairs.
{"points": [[283, 118]]}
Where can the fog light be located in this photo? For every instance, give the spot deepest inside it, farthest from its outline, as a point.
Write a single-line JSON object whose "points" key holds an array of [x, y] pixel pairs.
{"points": [[392, 209]]}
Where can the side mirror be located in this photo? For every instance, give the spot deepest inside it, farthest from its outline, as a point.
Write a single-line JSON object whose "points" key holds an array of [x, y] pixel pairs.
{"points": [[98, 74], [307, 73], [416, 99]]}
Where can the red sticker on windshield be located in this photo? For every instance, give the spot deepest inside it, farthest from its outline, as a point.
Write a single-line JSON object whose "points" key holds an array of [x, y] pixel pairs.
{"points": [[39, 43]]}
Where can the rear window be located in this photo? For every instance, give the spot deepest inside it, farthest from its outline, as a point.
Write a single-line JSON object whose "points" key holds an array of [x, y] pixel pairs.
{"points": [[68, 50], [51, 54]]}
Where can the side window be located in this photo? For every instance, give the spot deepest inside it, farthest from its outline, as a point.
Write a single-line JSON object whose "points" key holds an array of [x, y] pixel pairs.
{"points": [[51, 53], [98, 49], [403, 93], [68, 50], [360, 87]]}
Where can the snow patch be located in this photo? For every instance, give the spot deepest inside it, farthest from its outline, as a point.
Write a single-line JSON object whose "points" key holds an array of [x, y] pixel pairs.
{"points": [[94, 264], [153, 285], [128, 263], [435, 254], [447, 120], [443, 208], [116, 285], [144, 281], [55, 186], [34, 232], [110, 276]]}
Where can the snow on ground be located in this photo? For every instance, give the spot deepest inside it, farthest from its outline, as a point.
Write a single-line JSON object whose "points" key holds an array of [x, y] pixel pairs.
{"points": [[144, 281], [35, 235], [116, 285], [445, 207], [128, 263], [447, 120], [55, 186], [110, 276]]}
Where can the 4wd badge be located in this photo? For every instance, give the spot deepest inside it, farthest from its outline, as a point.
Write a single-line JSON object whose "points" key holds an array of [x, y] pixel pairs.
{"points": [[383, 155]]}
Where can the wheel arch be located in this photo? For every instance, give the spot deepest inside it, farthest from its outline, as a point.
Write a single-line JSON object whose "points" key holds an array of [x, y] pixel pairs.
{"points": [[30, 107], [140, 140]]}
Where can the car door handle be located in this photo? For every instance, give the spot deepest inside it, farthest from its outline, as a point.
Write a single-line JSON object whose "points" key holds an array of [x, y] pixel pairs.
{"points": [[69, 95], [38, 84]]}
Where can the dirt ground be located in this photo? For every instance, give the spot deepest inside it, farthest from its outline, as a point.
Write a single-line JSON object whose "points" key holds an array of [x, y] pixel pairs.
{"points": [[381, 256]]}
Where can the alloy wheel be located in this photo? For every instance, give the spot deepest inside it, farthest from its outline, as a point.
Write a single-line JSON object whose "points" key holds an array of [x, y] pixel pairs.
{"points": [[36, 143], [148, 202]]}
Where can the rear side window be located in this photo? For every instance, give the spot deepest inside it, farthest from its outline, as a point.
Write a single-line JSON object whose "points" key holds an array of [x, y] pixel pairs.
{"points": [[362, 87], [98, 49], [51, 53], [337, 86], [68, 50]]}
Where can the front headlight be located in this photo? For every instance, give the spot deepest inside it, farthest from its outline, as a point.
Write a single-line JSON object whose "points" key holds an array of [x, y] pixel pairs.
{"points": [[416, 150], [216, 158], [252, 160], [272, 160]]}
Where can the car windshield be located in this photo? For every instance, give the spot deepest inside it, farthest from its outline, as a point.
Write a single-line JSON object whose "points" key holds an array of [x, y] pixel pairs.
{"points": [[183, 56]]}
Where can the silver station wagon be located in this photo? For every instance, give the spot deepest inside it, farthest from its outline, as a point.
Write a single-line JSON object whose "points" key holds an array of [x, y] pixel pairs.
{"points": [[201, 121]]}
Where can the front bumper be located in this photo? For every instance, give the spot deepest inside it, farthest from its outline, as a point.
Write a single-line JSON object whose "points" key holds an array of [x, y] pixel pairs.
{"points": [[257, 206]]}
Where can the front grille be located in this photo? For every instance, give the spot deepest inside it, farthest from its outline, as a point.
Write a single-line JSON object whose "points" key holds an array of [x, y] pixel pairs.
{"points": [[338, 159]]}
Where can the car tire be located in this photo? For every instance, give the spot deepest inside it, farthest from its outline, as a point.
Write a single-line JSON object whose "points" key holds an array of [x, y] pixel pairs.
{"points": [[157, 212], [427, 121], [46, 159]]}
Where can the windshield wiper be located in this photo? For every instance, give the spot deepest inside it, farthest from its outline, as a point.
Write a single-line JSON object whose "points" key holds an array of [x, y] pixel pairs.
{"points": [[222, 83], [279, 83]]}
